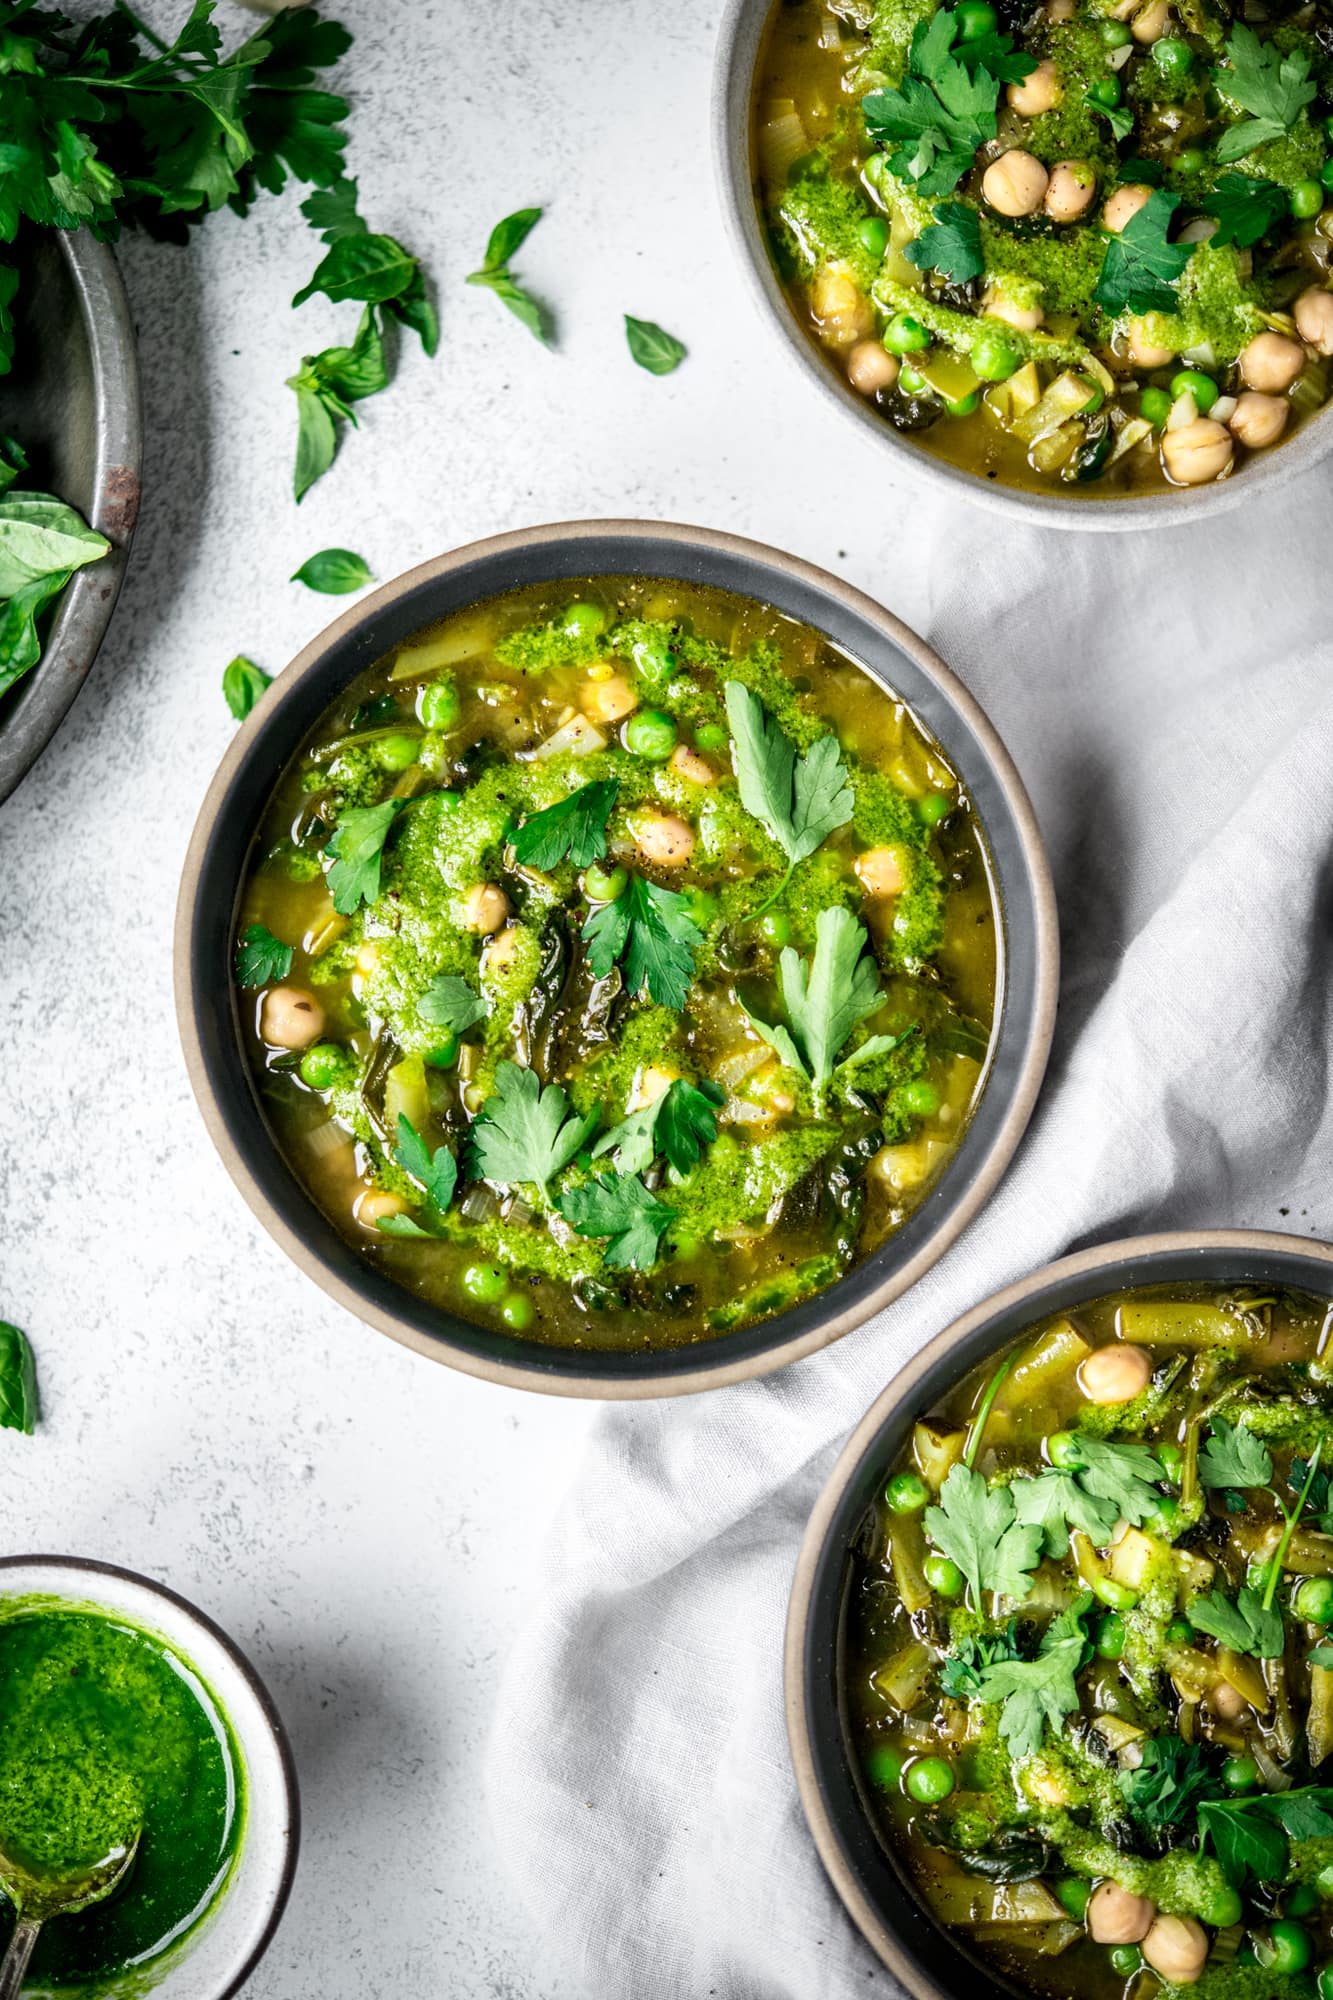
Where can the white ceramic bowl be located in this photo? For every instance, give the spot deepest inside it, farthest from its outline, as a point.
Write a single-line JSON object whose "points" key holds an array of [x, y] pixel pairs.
{"points": [[214, 1960]]}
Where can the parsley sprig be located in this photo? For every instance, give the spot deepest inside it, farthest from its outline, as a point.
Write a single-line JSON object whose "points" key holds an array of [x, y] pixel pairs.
{"points": [[1041, 1690], [977, 1527], [524, 1133], [572, 829], [945, 106], [1246, 209], [1249, 1836], [799, 798], [1272, 84], [678, 1125], [951, 244], [620, 1208], [649, 931], [1140, 269], [825, 998]]}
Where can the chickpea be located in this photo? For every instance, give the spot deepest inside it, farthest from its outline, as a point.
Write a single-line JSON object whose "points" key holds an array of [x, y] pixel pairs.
{"points": [[1227, 1703], [1197, 452], [665, 839], [1123, 206], [871, 368], [1271, 362], [1039, 91], [844, 313], [1177, 1949], [880, 871], [502, 949], [1061, 10], [650, 1084], [376, 1205], [1144, 351], [485, 908], [1026, 318], [1070, 192], [1313, 314], [291, 1018], [1114, 1374], [688, 764], [1117, 1916], [1259, 420], [1015, 184], [1151, 22], [609, 700]]}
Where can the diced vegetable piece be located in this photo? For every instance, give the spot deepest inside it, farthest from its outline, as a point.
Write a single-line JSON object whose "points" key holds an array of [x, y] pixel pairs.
{"points": [[902, 1678], [1068, 396], [577, 738], [1132, 1557], [427, 656], [406, 1094], [1115, 1732], [1049, 453], [1131, 435], [905, 1555], [949, 375], [1057, 1352], [936, 1452], [1245, 1675], [1189, 1324], [966, 1899], [1319, 1721], [1309, 1554], [1046, 1940]]}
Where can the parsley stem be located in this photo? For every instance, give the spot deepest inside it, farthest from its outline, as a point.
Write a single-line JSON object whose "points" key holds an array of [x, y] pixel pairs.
{"points": [[769, 901], [1275, 1566], [977, 1426], [140, 27]]}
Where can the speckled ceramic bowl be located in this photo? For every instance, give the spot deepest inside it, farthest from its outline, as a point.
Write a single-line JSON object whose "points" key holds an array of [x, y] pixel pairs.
{"points": [[739, 42], [215, 1959], [216, 865], [930, 1961]]}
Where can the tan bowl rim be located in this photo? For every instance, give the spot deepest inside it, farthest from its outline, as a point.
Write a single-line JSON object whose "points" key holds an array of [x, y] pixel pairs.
{"points": [[1132, 1259], [683, 553]]}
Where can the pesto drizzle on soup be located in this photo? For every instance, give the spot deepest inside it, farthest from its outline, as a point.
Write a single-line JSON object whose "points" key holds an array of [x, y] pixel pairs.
{"points": [[1090, 1663], [1081, 246], [618, 963]]}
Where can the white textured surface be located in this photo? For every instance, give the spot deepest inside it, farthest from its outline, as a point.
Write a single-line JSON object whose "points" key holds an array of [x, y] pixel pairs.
{"points": [[371, 1528]]}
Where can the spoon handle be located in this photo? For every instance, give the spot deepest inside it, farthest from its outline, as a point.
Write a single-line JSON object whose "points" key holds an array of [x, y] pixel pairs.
{"points": [[16, 1958]]}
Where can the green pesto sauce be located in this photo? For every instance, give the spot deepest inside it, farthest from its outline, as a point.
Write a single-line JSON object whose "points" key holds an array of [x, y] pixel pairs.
{"points": [[104, 1729]]}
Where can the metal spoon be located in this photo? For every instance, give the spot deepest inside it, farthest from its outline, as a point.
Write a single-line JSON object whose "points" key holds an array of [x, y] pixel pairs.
{"points": [[38, 1896]]}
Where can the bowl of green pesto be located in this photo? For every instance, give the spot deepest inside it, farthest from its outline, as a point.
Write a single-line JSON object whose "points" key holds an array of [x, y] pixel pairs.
{"points": [[1059, 1660], [616, 959], [1057, 254], [126, 1716]]}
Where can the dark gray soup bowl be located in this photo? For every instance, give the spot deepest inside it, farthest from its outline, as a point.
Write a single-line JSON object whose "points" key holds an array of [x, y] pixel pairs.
{"points": [[878, 1897], [72, 402], [220, 849]]}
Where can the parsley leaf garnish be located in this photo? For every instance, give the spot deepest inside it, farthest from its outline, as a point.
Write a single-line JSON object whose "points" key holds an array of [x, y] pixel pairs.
{"points": [[652, 930], [436, 1173], [1168, 1784], [525, 1133], [1035, 1692], [261, 958], [1118, 116], [621, 1208], [825, 998], [1140, 269], [1247, 1626], [678, 1124], [1249, 1836], [242, 685], [976, 1527], [961, 1673], [357, 846], [1234, 1456], [1273, 86], [1124, 1474], [1245, 209], [951, 244], [1056, 1502], [940, 113], [449, 1002], [652, 346], [799, 798], [573, 827], [496, 276]]}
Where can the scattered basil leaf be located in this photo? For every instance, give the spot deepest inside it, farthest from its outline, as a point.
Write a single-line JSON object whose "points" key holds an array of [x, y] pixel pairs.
{"points": [[18, 1381], [243, 683], [261, 958], [20, 644], [336, 572], [652, 347], [573, 828], [40, 537], [496, 276], [363, 266]]}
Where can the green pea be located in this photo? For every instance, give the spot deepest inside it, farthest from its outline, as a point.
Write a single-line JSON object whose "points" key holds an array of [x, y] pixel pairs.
{"points": [[1223, 1907], [711, 736], [963, 406], [651, 734], [1115, 34], [396, 753], [517, 1312], [1240, 1774], [1155, 406], [1173, 58], [994, 357], [1111, 1636], [1302, 1901], [905, 335], [1164, 1521], [884, 1766], [1326, 175], [934, 807], [1062, 1449], [911, 381], [602, 884], [654, 660], [1180, 1632], [1307, 198], [584, 621], [1171, 1459], [774, 928], [1125, 1958], [1190, 160], [975, 18], [438, 705], [921, 1098], [702, 907], [486, 1283], [1314, 1600], [907, 1493], [322, 1065], [1324, 1983], [928, 1780], [874, 234], [445, 1053], [1193, 382], [1287, 1948], [1072, 1893], [1106, 92], [943, 1576]]}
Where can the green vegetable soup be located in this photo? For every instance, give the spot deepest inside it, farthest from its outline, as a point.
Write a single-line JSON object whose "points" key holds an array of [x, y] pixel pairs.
{"points": [[1089, 1665], [105, 1731], [618, 963], [1080, 247]]}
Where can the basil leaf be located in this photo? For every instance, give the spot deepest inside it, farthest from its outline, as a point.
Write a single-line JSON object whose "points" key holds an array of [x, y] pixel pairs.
{"points": [[336, 572], [40, 536], [652, 347], [243, 684], [361, 266], [18, 1381], [20, 647]]}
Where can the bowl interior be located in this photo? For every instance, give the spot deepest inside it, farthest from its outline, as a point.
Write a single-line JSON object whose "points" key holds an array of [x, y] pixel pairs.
{"points": [[215, 1959], [889, 652], [876, 1892]]}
